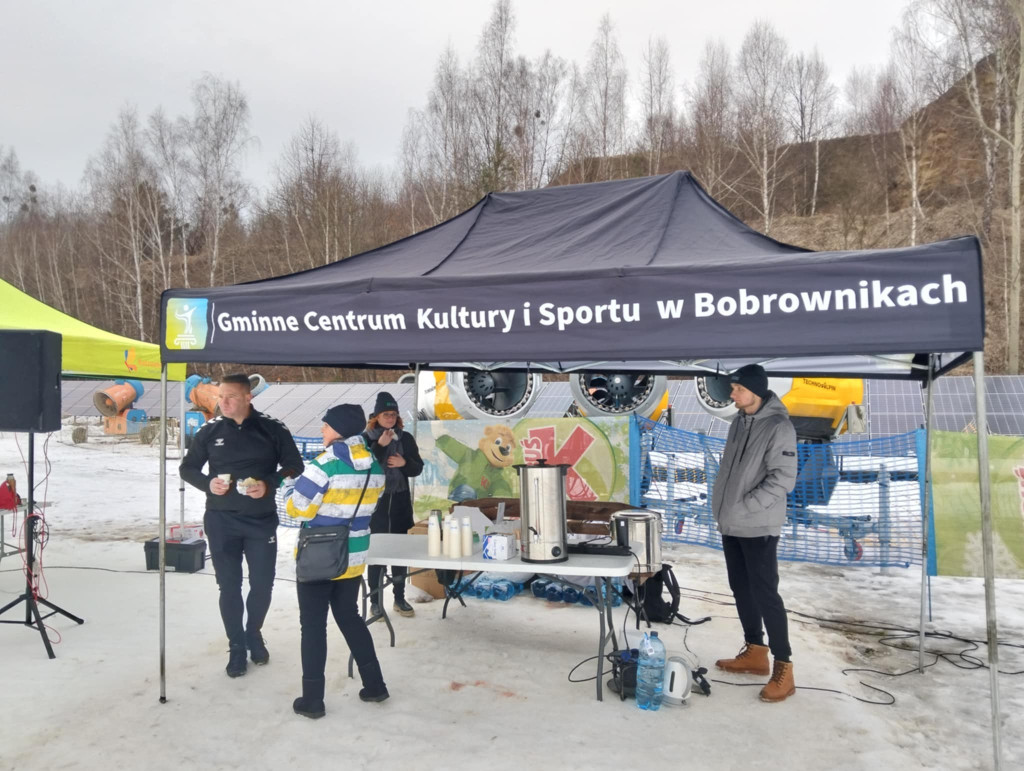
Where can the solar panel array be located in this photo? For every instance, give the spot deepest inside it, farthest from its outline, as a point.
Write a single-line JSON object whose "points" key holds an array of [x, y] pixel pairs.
{"points": [[893, 406]]}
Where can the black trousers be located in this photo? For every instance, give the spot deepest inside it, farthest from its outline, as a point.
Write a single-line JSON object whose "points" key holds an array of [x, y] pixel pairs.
{"points": [[230, 537], [392, 515], [341, 596], [753, 568]]}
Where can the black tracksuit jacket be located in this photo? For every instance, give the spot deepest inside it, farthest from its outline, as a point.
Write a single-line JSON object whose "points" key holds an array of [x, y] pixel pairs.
{"points": [[260, 447]]}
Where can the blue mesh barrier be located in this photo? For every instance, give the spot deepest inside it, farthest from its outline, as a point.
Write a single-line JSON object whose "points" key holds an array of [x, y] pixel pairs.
{"points": [[855, 502]]}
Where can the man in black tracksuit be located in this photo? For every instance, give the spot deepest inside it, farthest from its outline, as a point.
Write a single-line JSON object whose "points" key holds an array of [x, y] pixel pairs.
{"points": [[248, 454]]}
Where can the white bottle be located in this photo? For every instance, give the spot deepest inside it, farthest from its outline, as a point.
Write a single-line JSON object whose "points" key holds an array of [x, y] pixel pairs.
{"points": [[453, 536], [446, 542], [433, 537], [467, 537]]}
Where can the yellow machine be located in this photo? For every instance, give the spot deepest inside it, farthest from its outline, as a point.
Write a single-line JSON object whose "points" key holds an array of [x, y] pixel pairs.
{"points": [[818, 406]]}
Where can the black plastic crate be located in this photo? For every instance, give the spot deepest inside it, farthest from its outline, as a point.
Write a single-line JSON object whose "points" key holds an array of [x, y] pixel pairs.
{"points": [[181, 557]]}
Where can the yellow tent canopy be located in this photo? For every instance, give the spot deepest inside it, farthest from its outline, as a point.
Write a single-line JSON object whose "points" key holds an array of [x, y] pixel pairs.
{"points": [[87, 351]]}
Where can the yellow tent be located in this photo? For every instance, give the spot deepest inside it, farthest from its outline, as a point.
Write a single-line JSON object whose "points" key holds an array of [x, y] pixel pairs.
{"points": [[87, 351]]}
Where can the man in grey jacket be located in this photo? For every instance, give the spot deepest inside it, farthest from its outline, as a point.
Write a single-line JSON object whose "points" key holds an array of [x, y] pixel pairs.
{"points": [[758, 469]]}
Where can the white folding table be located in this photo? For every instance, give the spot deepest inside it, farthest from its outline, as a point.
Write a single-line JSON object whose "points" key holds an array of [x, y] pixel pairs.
{"points": [[411, 551]]}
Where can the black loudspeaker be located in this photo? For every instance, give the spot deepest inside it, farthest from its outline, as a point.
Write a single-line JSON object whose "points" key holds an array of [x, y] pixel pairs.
{"points": [[29, 381]]}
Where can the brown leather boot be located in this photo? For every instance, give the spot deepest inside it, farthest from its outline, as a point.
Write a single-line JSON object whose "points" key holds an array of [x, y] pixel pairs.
{"points": [[781, 686], [751, 660]]}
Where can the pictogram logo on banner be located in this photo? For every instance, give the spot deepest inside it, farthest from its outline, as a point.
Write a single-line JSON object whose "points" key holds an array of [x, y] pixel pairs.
{"points": [[186, 323]]}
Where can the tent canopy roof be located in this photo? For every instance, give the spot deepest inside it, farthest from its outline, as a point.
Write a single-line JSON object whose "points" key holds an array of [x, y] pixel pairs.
{"points": [[86, 351], [645, 273]]}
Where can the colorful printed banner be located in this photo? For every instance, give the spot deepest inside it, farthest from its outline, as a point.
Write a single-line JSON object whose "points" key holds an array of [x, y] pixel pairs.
{"points": [[958, 508], [465, 459]]}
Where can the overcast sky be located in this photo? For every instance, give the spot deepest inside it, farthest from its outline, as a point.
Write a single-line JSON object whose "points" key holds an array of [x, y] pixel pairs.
{"points": [[68, 66]]}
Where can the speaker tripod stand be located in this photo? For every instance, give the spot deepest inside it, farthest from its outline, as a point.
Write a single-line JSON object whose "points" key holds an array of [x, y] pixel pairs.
{"points": [[33, 618]]}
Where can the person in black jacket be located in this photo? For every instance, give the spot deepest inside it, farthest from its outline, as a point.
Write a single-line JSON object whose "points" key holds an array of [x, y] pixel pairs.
{"points": [[248, 453], [397, 452]]}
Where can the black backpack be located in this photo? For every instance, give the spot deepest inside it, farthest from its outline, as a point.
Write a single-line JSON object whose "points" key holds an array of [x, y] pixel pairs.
{"points": [[652, 598]]}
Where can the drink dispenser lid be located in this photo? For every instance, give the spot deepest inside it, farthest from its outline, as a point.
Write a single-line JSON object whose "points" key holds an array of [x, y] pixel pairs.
{"points": [[542, 463]]}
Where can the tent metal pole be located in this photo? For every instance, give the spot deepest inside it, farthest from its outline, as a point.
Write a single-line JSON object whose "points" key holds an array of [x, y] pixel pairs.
{"points": [[927, 508], [415, 428], [162, 552], [181, 456], [986, 542]]}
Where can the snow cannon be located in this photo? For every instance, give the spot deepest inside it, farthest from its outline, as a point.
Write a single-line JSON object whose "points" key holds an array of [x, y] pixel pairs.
{"points": [[604, 394], [818, 406], [203, 395], [257, 384], [115, 405], [479, 394]]}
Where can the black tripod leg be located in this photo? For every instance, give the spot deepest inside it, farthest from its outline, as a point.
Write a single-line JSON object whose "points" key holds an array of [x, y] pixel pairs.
{"points": [[34, 610], [58, 609], [10, 605]]}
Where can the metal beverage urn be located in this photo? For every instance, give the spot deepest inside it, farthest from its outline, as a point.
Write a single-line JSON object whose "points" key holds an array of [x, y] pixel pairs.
{"points": [[640, 530], [542, 512]]}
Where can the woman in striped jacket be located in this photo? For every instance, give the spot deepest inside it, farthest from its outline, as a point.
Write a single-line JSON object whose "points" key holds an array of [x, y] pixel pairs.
{"points": [[331, 492]]}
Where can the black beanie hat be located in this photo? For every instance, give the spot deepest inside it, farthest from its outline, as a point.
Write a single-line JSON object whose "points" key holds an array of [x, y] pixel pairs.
{"points": [[385, 403], [347, 419], [753, 378]]}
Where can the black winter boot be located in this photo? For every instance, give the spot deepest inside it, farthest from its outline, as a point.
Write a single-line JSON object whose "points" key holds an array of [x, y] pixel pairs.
{"points": [[236, 660], [311, 703], [373, 688], [258, 649]]}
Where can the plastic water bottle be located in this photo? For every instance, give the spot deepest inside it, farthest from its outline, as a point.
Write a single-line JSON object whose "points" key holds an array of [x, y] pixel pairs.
{"points": [[503, 590], [589, 597], [484, 588], [539, 586], [553, 593], [570, 594], [616, 592], [650, 672]]}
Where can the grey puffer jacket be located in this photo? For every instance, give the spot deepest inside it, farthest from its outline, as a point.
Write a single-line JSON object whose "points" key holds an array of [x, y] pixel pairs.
{"points": [[758, 469]]}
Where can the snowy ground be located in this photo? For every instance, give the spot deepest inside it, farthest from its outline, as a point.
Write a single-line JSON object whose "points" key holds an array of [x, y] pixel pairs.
{"points": [[487, 687]]}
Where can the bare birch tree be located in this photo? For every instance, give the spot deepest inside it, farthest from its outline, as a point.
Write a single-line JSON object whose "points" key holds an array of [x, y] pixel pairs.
{"points": [[606, 99], [712, 120], [121, 184], [495, 67], [217, 141], [657, 102], [812, 110], [761, 94]]}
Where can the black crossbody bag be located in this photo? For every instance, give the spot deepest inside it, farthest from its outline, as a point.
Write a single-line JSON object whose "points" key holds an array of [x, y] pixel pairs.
{"points": [[322, 552]]}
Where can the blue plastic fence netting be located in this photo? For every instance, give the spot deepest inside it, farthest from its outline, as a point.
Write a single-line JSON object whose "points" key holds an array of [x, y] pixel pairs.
{"points": [[855, 502], [309, 448]]}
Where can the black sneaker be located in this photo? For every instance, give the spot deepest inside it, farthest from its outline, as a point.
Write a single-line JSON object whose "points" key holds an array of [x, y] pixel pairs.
{"points": [[236, 661], [402, 608], [258, 650], [374, 694], [375, 610]]}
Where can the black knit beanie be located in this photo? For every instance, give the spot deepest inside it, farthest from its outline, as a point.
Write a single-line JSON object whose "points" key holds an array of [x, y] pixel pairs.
{"points": [[753, 378], [385, 403], [347, 419]]}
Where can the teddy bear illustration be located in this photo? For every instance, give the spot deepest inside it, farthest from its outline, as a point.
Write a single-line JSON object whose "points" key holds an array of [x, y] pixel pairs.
{"points": [[482, 472]]}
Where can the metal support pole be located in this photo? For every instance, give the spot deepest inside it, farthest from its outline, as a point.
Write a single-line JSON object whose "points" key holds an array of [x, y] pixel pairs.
{"points": [[162, 549], [927, 510], [415, 429], [986, 542], [181, 457], [884, 518]]}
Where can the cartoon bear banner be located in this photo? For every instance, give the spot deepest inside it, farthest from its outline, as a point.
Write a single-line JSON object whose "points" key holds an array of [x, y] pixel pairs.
{"points": [[466, 459]]}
